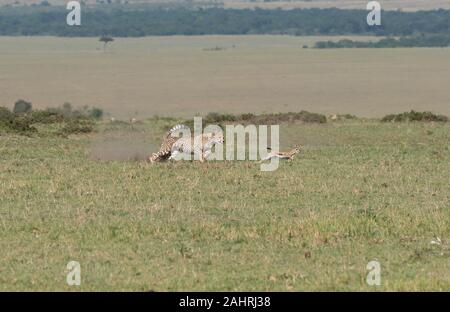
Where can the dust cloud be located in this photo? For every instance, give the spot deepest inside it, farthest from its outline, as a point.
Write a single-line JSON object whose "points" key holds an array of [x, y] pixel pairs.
{"points": [[122, 147]]}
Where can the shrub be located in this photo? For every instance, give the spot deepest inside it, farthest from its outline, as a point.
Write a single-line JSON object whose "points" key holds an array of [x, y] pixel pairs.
{"points": [[248, 116], [6, 115], [96, 113], [68, 111], [73, 121], [414, 116], [302, 116], [217, 117], [77, 126], [22, 107], [10, 122], [310, 117], [46, 117], [6, 119], [267, 119], [347, 116]]}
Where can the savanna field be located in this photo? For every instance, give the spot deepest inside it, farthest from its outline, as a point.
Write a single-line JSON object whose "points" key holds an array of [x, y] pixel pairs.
{"points": [[186, 75], [360, 190]]}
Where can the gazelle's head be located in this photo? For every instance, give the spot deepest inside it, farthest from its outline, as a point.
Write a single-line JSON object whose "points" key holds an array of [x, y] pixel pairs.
{"points": [[297, 149]]}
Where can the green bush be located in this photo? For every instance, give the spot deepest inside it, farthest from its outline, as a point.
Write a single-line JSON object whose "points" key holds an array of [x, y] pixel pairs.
{"points": [[22, 107], [217, 117], [310, 117], [10, 122], [302, 116], [77, 125], [46, 117], [65, 110], [6, 115], [248, 116], [265, 119], [348, 116], [414, 116], [96, 113], [72, 121]]}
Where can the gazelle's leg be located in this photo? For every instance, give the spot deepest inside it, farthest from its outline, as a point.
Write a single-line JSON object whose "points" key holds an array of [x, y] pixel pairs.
{"points": [[268, 157]]}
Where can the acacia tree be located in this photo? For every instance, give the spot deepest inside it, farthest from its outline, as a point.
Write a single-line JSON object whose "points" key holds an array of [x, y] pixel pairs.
{"points": [[106, 40]]}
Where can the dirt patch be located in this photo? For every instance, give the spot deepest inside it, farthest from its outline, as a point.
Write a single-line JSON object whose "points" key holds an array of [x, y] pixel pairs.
{"points": [[122, 147]]}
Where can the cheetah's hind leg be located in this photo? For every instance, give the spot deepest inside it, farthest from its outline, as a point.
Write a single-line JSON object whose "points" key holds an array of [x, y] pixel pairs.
{"points": [[173, 155]]}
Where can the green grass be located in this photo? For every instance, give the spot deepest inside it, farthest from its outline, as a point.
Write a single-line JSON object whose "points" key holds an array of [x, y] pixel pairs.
{"points": [[361, 190]]}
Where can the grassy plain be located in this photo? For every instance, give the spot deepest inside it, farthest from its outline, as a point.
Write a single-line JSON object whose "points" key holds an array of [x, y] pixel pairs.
{"points": [[181, 76], [360, 191]]}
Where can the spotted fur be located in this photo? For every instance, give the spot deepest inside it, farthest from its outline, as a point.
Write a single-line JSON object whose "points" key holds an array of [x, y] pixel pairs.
{"points": [[166, 146], [200, 145], [172, 145]]}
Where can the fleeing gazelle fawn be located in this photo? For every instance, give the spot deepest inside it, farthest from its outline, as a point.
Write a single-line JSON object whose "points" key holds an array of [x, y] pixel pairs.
{"points": [[281, 155]]}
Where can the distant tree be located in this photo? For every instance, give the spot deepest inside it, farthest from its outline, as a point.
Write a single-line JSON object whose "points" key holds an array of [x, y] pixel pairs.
{"points": [[105, 40], [22, 107]]}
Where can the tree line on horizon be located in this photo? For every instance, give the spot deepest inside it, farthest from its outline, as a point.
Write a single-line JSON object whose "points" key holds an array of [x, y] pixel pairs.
{"points": [[422, 41], [130, 21]]}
